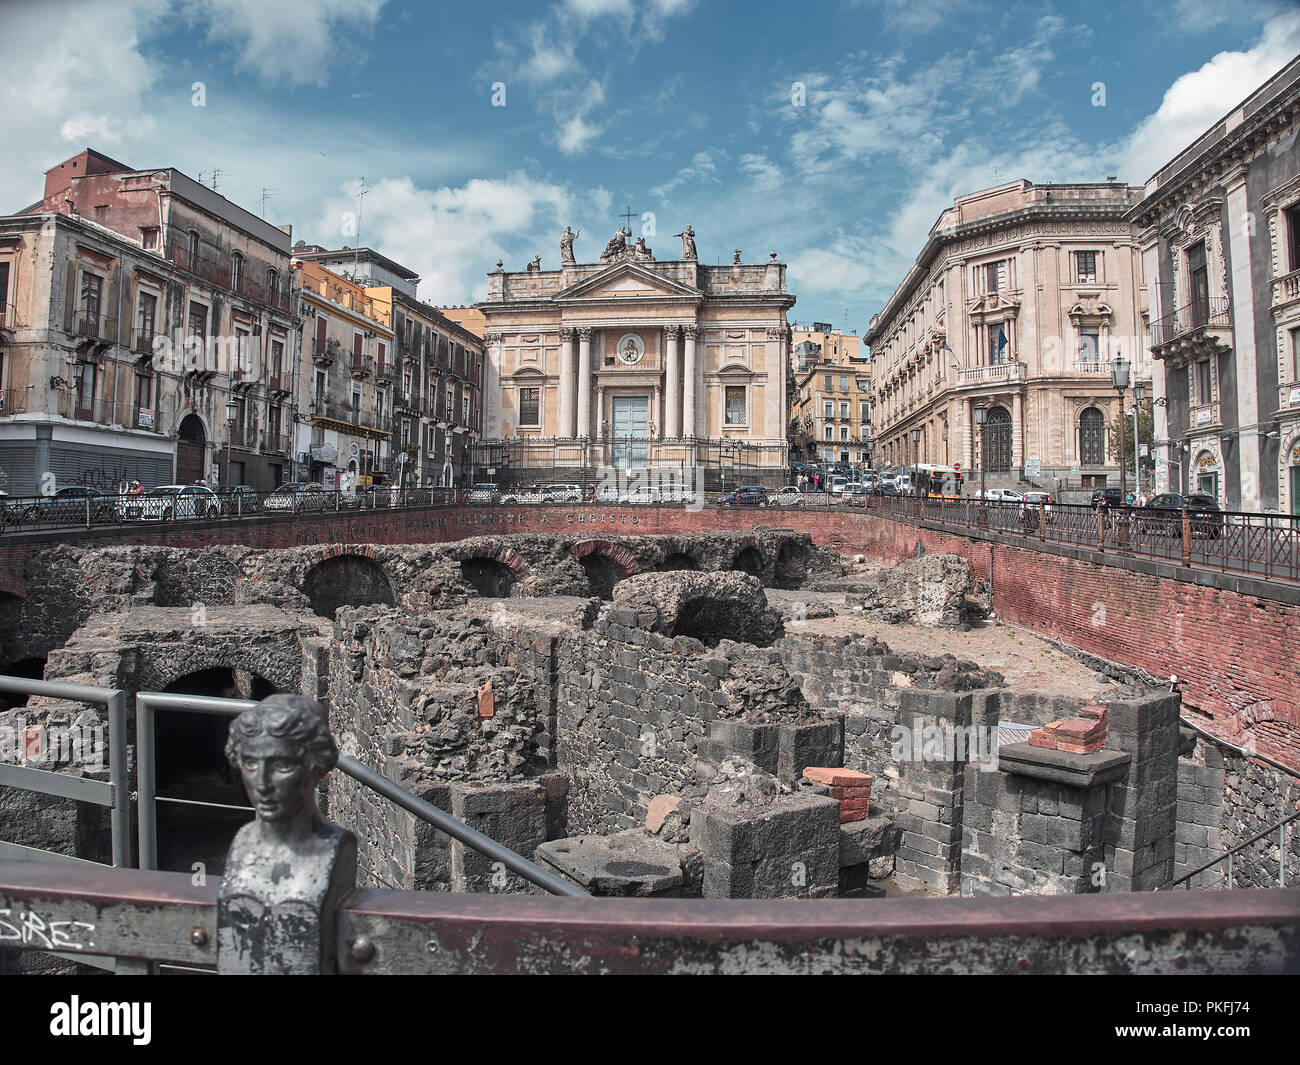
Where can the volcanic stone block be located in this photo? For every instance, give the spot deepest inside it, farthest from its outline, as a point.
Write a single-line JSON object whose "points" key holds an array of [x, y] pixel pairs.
{"points": [[818, 744], [758, 743], [512, 814], [629, 864]]}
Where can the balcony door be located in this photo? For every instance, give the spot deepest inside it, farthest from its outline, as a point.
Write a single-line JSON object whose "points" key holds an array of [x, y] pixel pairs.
{"points": [[190, 450], [630, 428], [1199, 282], [997, 440], [1092, 438]]}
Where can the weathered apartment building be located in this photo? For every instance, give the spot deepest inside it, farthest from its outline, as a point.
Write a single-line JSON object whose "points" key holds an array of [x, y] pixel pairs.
{"points": [[435, 370], [1017, 303], [1219, 227], [149, 332], [830, 390]]}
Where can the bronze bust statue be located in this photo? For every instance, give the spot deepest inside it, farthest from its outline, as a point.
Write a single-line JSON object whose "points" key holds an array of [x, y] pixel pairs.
{"points": [[289, 865]]}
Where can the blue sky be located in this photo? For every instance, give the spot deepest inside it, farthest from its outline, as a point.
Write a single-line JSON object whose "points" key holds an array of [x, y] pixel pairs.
{"points": [[682, 108]]}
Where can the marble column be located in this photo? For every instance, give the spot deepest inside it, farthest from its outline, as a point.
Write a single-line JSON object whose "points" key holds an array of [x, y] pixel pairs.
{"points": [[655, 416], [690, 383], [567, 396], [672, 371], [584, 382]]}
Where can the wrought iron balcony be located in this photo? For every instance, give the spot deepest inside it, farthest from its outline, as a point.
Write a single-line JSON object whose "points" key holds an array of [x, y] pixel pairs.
{"points": [[1201, 323]]}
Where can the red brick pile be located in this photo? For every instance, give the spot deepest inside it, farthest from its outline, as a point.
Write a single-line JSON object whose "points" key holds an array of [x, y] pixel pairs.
{"points": [[1084, 734], [852, 788]]}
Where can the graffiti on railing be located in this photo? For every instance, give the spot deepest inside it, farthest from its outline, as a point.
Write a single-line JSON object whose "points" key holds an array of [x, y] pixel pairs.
{"points": [[30, 929]]}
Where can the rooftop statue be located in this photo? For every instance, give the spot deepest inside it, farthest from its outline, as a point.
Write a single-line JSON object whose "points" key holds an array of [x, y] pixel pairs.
{"points": [[688, 242], [566, 245], [616, 249]]}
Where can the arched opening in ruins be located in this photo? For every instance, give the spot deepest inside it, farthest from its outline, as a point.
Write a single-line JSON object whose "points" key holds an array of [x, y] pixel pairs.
{"points": [[677, 560], [32, 668], [791, 566], [491, 579], [710, 619], [347, 580], [602, 573], [190, 765], [750, 561]]}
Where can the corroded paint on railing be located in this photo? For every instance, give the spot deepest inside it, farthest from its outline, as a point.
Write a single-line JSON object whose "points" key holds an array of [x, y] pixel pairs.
{"points": [[162, 917]]}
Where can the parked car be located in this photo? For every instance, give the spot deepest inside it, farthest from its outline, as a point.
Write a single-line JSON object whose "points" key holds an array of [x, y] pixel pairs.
{"points": [[69, 505], [483, 493], [856, 494], [999, 495], [296, 498], [789, 496], [241, 499], [1163, 516], [836, 484], [171, 502], [530, 497], [749, 496], [562, 493], [1106, 497]]}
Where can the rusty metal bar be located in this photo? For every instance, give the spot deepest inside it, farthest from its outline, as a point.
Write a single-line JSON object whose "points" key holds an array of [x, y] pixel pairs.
{"points": [[426, 932], [99, 911]]}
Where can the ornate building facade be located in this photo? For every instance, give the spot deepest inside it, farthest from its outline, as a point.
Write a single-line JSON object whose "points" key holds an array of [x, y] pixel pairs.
{"points": [[1017, 303], [629, 363], [1220, 233]]}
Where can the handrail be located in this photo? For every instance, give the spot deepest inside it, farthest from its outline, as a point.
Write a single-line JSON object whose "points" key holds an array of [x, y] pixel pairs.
{"points": [[1227, 855], [115, 794], [147, 703]]}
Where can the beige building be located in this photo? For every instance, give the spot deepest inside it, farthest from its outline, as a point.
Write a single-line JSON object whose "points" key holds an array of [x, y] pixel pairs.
{"points": [[148, 331], [1018, 301], [346, 381], [831, 416], [629, 363]]}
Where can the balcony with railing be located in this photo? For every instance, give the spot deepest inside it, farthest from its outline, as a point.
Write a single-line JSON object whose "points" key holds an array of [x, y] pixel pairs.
{"points": [[243, 436], [341, 411], [216, 266], [1286, 289], [276, 443], [998, 373], [1196, 330]]}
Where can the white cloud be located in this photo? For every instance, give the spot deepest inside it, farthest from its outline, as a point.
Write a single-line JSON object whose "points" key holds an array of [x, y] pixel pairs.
{"points": [[703, 168], [1198, 99], [575, 134], [291, 42], [910, 17], [766, 175]]}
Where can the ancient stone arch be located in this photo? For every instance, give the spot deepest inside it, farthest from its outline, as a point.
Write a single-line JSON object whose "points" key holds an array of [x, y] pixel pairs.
{"points": [[606, 563], [344, 577]]}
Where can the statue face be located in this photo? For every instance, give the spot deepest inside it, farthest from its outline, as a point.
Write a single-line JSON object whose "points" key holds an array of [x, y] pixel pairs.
{"points": [[277, 778]]}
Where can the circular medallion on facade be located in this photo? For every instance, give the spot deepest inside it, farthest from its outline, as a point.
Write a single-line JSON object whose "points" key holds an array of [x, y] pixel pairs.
{"points": [[631, 349]]}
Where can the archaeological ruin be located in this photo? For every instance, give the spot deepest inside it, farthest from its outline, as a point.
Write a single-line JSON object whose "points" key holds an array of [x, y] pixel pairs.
{"points": [[702, 715]]}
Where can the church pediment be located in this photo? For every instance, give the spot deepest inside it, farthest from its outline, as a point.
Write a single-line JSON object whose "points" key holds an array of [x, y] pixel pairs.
{"points": [[627, 281], [993, 303]]}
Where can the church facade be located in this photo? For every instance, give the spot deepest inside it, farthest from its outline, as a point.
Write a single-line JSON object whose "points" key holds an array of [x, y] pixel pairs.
{"points": [[631, 364]]}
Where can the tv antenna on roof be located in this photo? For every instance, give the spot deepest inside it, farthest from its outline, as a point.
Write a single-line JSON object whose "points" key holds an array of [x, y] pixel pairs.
{"points": [[267, 193], [213, 174], [362, 189]]}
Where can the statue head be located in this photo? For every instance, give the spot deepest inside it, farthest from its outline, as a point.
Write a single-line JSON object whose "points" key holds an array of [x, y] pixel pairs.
{"points": [[282, 748]]}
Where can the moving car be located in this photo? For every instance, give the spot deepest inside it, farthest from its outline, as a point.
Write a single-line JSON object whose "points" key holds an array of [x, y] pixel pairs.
{"points": [[837, 484], [296, 498], [171, 502], [1038, 501], [241, 499], [749, 496], [1106, 497], [483, 493], [1000, 495], [69, 505], [523, 497], [789, 496], [856, 495], [1163, 516]]}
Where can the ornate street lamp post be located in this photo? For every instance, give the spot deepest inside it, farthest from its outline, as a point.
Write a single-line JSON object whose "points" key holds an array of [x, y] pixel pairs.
{"points": [[232, 413], [1139, 393], [1119, 378], [981, 413]]}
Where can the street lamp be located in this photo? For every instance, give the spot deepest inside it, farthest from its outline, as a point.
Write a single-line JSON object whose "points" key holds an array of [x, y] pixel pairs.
{"points": [[916, 440], [981, 413], [1139, 394], [1119, 379], [232, 414]]}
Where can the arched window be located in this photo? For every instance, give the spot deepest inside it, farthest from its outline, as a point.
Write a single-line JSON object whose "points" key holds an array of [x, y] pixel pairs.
{"points": [[997, 440], [1092, 437], [272, 283], [236, 271]]}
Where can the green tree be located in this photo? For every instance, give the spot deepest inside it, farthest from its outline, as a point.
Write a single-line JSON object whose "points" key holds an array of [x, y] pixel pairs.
{"points": [[1146, 434]]}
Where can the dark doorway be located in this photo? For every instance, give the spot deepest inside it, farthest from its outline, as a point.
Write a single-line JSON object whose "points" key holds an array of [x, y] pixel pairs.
{"points": [[677, 560], [602, 574], [750, 561], [190, 765], [490, 578], [346, 580], [28, 668], [190, 450], [791, 567]]}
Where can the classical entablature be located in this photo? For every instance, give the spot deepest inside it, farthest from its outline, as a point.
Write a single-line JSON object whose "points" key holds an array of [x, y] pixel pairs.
{"points": [[991, 308]]}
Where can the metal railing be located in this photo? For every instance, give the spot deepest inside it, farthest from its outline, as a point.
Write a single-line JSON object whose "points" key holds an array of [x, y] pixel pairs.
{"points": [[113, 793], [1281, 828], [1216, 311]]}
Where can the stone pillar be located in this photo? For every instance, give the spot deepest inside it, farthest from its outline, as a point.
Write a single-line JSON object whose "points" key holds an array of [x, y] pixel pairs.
{"points": [[567, 396], [672, 372], [600, 411], [656, 415], [967, 438], [1017, 431], [492, 428], [584, 382], [691, 389], [1241, 290]]}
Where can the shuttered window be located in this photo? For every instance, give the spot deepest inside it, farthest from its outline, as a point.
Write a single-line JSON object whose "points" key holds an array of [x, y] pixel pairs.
{"points": [[735, 405]]}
